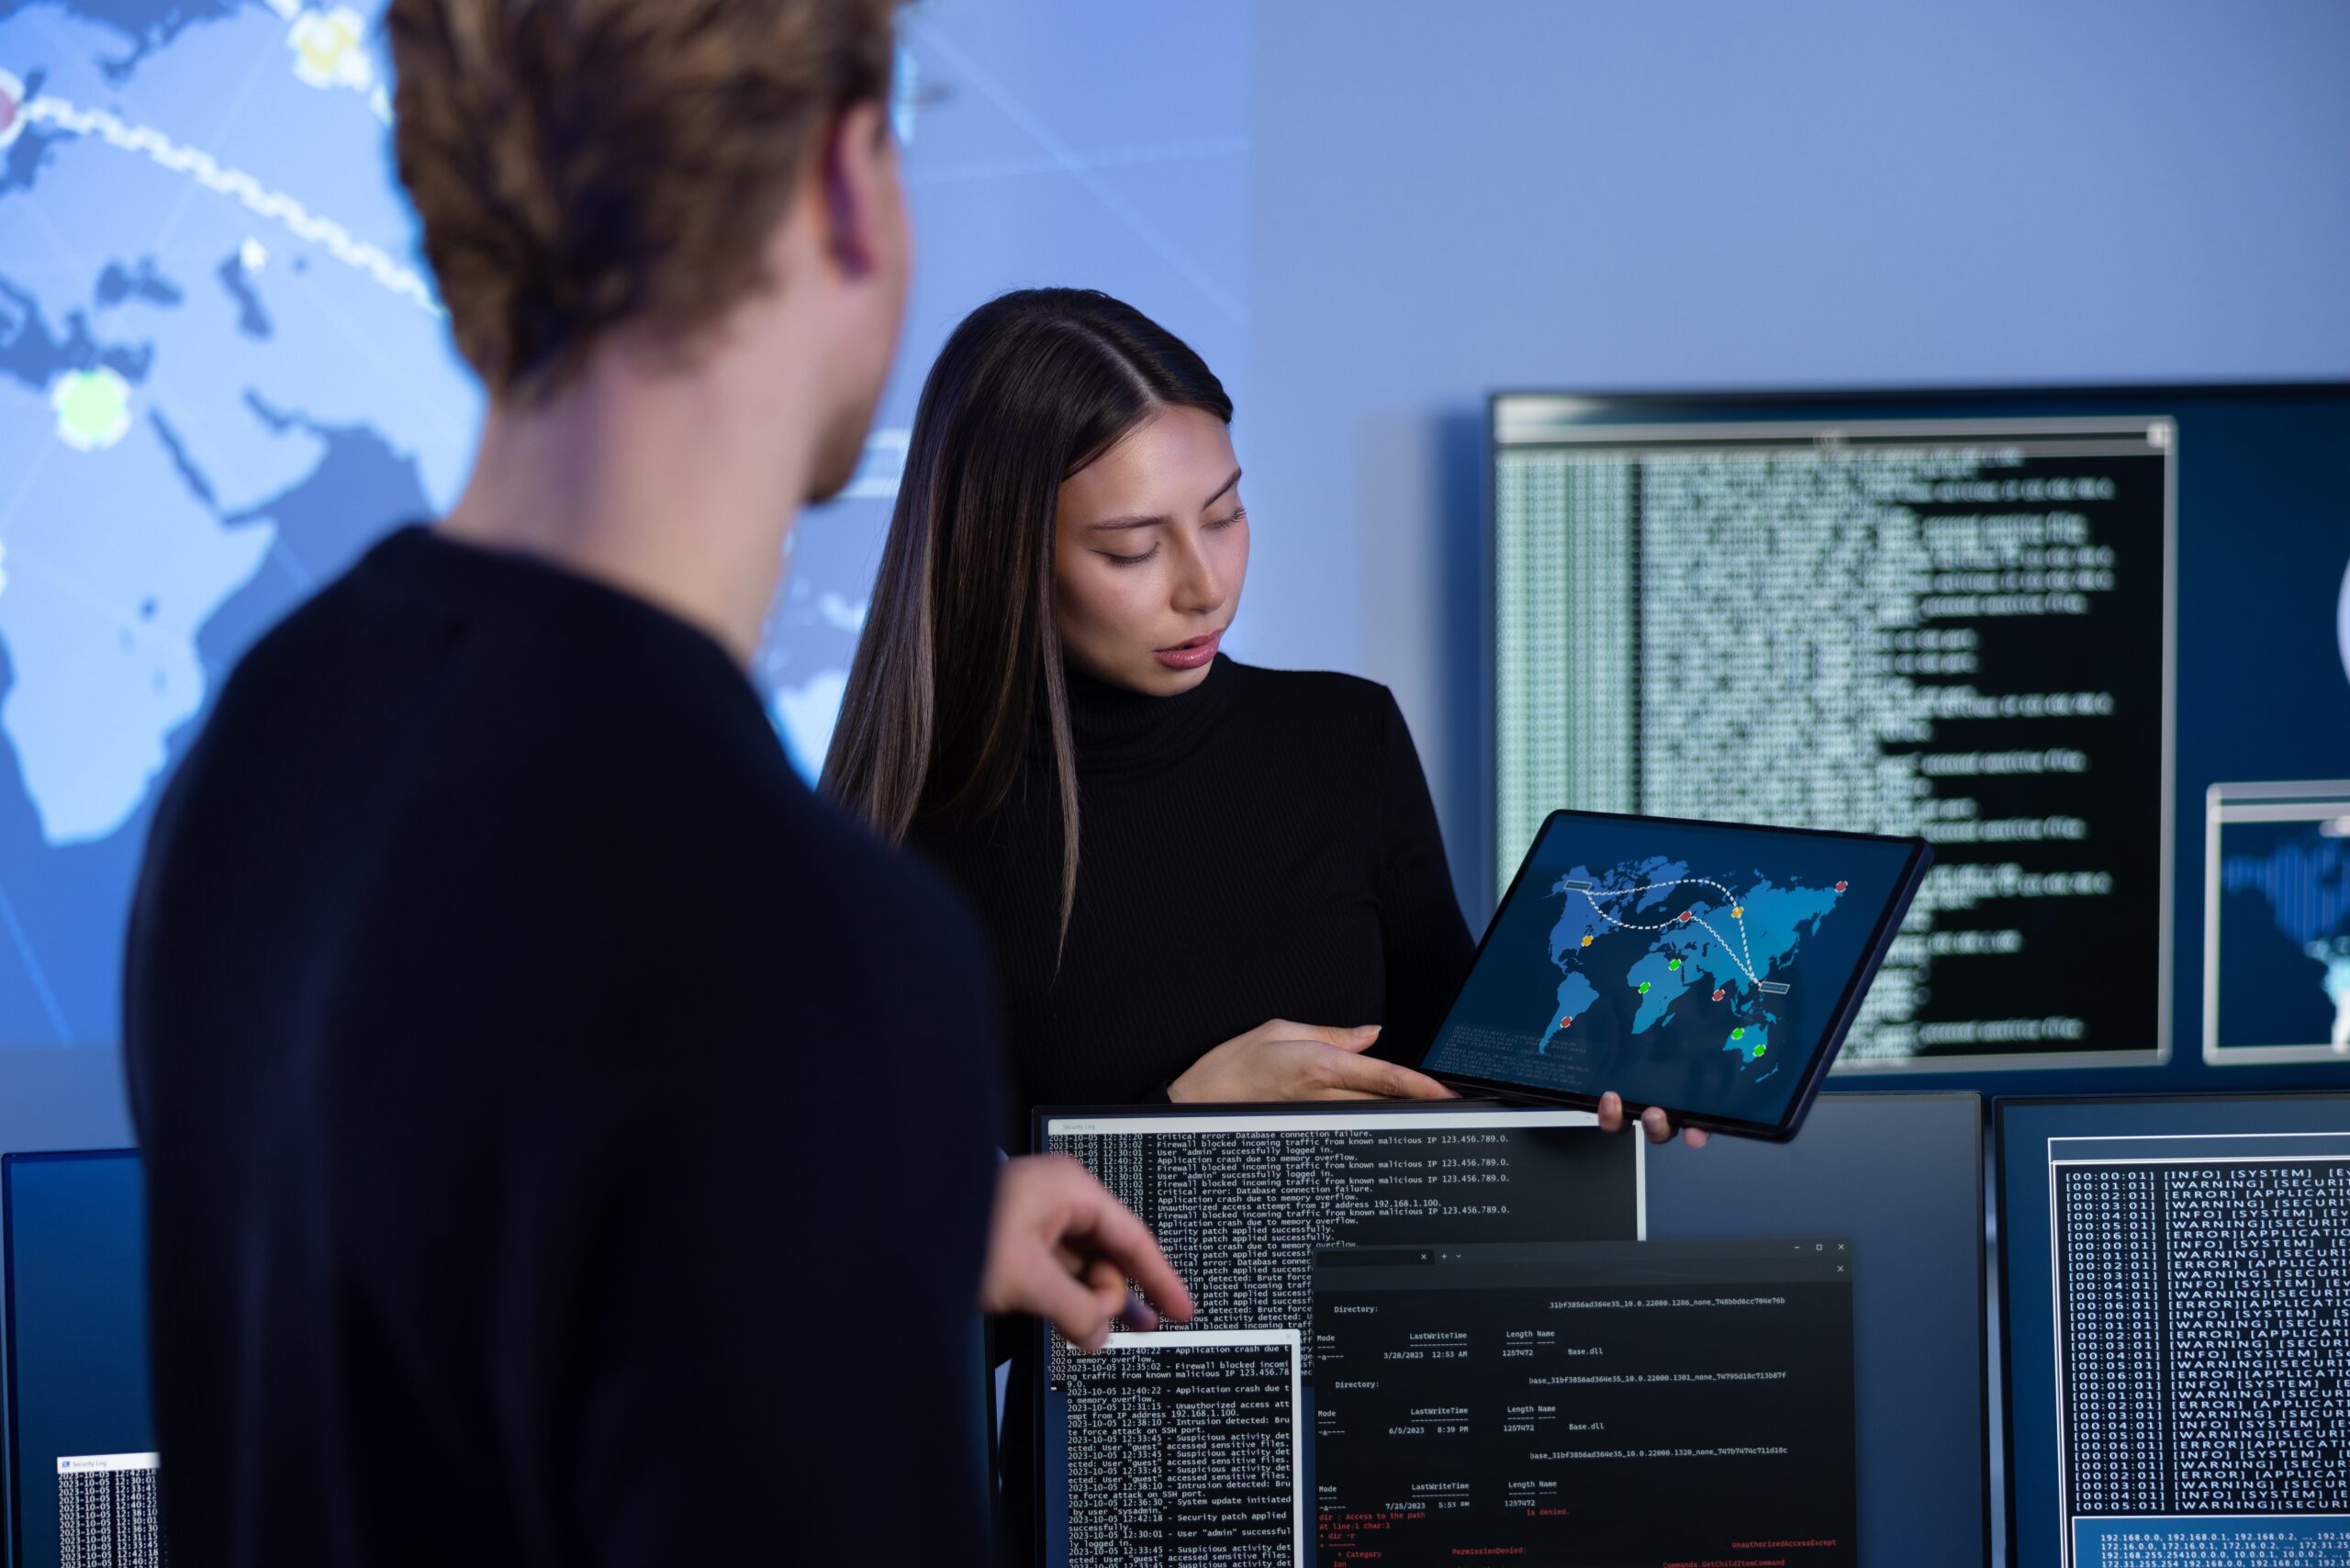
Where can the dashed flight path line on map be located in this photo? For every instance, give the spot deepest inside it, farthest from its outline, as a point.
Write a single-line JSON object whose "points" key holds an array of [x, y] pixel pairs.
{"points": [[210, 173], [1744, 962]]}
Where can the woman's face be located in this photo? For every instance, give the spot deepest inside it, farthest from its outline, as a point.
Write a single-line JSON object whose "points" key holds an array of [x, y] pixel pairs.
{"points": [[1149, 548]]}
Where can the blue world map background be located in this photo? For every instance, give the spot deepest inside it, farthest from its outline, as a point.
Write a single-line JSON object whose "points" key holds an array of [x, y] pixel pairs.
{"points": [[224, 371], [1683, 966]]}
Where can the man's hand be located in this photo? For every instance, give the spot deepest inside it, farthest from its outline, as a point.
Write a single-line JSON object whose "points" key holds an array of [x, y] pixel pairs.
{"points": [[1653, 1122], [1281, 1061], [1060, 1247]]}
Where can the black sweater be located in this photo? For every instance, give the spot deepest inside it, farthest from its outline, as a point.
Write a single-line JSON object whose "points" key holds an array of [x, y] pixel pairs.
{"points": [[568, 1140], [1260, 847]]}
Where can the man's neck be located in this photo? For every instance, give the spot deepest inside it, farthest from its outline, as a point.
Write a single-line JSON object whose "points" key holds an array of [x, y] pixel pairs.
{"points": [[658, 483]]}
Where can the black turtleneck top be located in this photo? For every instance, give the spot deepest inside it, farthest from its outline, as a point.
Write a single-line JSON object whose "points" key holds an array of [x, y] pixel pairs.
{"points": [[1260, 846]]}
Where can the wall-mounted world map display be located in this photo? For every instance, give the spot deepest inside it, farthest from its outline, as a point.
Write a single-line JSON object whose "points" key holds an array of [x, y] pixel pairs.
{"points": [[225, 370]]}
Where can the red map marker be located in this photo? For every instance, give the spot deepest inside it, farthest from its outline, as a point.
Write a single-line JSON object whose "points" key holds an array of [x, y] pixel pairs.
{"points": [[1842, 886], [1564, 1022], [1717, 996], [1684, 917]]}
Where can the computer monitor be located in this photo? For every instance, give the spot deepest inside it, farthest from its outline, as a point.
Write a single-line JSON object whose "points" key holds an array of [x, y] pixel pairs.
{"points": [[79, 1422], [1242, 1199], [1957, 614], [1899, 1175], [1786, 1339], [2175, 1276]]}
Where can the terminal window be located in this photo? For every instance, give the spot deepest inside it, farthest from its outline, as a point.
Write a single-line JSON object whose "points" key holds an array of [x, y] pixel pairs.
{"points": [[1957, 630], [1185, 1452], [109, 1511], [1239, 1204], [2201, 1291], [1590, 1404]]}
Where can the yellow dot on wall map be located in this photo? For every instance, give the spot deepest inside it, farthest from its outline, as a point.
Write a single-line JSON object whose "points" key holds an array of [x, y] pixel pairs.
{"points": [[93, 408], [328, 48]]}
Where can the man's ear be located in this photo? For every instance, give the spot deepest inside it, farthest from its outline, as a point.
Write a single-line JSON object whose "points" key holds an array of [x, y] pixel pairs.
{"points": [[859, 173]]}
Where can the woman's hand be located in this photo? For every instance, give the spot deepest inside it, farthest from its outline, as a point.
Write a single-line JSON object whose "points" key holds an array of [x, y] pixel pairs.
{"points": [[1060, 1245], [1653, 1122], [1281, 1060]]}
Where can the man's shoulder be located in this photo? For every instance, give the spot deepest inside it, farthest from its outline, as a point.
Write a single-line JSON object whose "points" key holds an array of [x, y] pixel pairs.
{"points": [[497, 734], [713, 826]]}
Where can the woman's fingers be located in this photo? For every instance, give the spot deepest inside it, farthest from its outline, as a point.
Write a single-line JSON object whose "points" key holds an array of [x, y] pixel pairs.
{"points": [[1654, 1123], [1360, 1038], [1385, 1079]]}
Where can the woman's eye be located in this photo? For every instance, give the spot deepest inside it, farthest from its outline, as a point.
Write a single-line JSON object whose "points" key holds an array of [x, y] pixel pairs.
{"points": [[1227, 522], [1119, 560]]}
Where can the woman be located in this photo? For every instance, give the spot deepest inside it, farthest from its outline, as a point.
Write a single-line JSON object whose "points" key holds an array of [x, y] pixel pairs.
{"points": [[1174, 854]]}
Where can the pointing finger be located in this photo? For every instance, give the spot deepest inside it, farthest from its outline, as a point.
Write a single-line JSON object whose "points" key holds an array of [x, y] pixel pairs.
{"points": [[1108, 1283], [1113, 1231], [1073, 1309]]}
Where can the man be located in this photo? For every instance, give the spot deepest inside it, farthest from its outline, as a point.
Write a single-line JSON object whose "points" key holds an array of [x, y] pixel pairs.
{"points": [[568, 1140]]}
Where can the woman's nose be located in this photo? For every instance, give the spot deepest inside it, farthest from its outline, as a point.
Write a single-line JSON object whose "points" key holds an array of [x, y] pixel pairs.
{"points": [[1198, 587]]}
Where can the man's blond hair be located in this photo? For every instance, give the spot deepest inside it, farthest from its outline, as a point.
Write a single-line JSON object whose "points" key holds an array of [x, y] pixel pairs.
{"points": [[581, 165]]}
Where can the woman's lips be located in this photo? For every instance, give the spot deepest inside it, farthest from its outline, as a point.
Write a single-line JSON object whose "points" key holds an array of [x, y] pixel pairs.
{"points": [[1193, 654]]}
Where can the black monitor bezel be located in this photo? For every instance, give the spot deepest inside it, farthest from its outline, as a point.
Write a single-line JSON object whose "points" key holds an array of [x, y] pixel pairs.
{"points": [[1999, 1206], [9, 1426], [1831, 1038]]}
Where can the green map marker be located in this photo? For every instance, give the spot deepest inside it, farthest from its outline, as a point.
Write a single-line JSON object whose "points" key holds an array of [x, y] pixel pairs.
{"points": [[1644, 988], [1674, 965], [93, 408], [1738, 1033], [1761, 1051]]}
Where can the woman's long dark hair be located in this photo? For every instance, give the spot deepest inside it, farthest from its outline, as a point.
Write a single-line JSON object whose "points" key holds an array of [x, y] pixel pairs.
{"points": [[961, 643]]}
